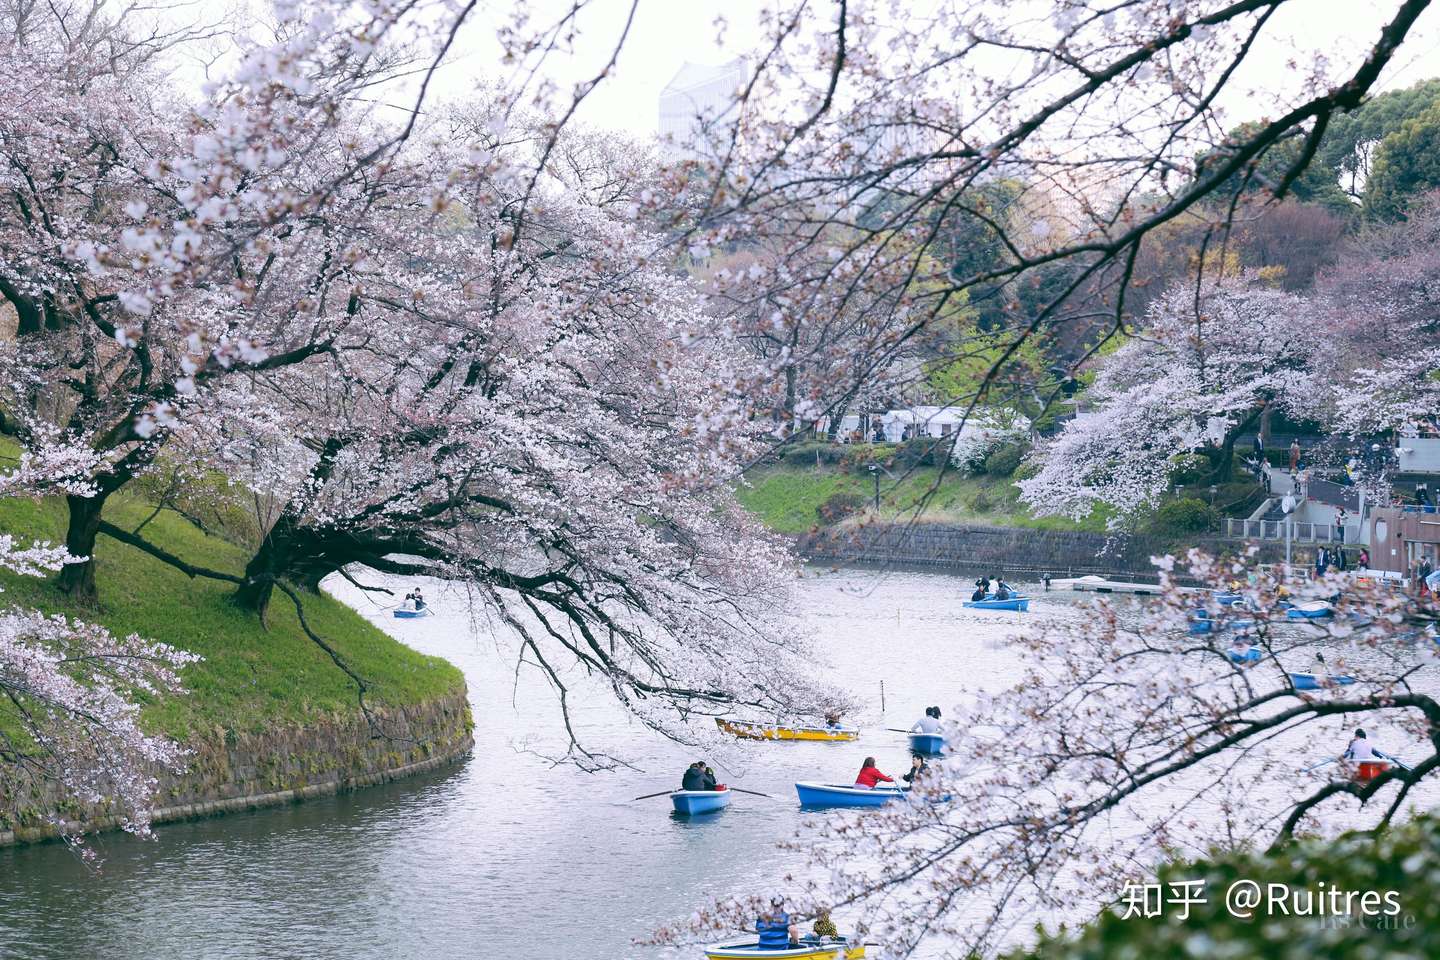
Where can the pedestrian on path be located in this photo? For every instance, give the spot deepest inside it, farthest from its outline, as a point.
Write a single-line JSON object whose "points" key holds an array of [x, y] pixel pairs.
{"points": [[1294, 455]]}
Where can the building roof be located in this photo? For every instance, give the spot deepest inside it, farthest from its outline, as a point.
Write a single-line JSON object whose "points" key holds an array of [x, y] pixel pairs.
{"points": [[693, 75]]}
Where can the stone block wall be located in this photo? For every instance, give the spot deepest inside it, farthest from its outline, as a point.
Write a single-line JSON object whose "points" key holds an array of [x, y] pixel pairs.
{"points": [[284, 764]]}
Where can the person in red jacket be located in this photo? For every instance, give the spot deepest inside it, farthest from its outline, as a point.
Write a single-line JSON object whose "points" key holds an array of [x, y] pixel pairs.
{"points": [[871, 775]]}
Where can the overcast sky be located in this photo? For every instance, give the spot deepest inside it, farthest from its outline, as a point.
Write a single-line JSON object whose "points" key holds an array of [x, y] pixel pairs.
{"points": [[666, 33]]}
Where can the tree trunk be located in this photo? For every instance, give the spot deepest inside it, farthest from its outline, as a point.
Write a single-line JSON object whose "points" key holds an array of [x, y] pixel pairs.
{"points": [[264, 568], [289, 553], [77, 580], [1227, 449]]}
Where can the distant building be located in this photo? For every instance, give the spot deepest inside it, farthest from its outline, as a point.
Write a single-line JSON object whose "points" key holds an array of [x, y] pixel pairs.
{"points": [[697, 100]]}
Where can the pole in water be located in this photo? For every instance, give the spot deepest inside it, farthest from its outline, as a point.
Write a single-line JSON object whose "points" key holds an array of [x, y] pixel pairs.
{"points": [[882, 697]]}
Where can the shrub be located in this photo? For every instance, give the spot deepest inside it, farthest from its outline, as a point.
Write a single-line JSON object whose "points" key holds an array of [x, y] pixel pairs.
{"points": [[1405, 859], [838, 506], [1004, 459], [809, 453], [1186, 515], [920, 452], [981, 503]]}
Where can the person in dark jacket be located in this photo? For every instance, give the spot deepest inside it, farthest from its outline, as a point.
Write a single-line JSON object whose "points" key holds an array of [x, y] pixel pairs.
{"points": [[918, 766], [698, 777]]}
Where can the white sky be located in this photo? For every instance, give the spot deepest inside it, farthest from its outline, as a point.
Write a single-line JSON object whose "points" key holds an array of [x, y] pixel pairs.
{"points": [[666, 33]]}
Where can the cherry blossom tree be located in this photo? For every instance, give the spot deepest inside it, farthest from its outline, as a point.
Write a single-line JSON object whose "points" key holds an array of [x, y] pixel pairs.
{"points": [[534, 404], [1220, 354], [864, 131], [1380, 307], [69, 715]]}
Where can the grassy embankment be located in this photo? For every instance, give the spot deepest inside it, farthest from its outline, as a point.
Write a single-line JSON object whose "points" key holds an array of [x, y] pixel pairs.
{"points": [[253, 675], [787, 497]]}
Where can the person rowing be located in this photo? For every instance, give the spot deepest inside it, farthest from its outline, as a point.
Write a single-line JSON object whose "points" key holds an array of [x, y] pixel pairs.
{"points": [[415, 599], [698, 777], [930, 723], [1363, 752], [870, 775], [775, 929], [1003, 590], [918, 766]]}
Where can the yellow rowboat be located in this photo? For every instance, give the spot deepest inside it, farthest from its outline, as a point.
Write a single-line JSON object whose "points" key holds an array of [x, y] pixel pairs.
{"points": [[824, 950], [774, 731]]}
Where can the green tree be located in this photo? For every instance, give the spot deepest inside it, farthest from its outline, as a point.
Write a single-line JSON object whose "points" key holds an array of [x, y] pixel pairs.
{"points": [[1405, 860], [1352, 139], [1407, 164]]}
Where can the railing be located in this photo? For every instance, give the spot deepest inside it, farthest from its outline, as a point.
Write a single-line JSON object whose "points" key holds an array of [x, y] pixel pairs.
{"points": [[1301, 532]]}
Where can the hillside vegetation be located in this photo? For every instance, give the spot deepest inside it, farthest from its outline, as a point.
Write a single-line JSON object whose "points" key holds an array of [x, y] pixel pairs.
{"points": [[253, 674], [793, 496]]}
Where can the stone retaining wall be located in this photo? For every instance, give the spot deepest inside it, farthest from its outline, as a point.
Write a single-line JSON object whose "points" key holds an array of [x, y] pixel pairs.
{"points": [[231, 771], [1015, 552]]}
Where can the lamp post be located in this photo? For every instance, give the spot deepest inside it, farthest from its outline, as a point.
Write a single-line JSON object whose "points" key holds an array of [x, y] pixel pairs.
{"points": [[1287, 506], [875, 475]]}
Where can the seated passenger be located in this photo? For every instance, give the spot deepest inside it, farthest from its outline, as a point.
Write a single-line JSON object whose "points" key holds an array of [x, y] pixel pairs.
{"points": [[694, 778], [774, 927], [870, 775]]}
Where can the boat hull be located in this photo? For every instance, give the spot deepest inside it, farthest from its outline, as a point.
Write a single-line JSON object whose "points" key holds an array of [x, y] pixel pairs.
{"points": [[816, 951], [1248, 656], [410, 614], [1014, 603], [688, 803], [839, 795], [1096, 584], [1310, 612], [1310, 681], [770, 731], [929, 744]]}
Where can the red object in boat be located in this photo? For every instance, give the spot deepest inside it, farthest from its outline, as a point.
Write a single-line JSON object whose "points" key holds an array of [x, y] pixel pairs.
{"points": [[1370, 769]]}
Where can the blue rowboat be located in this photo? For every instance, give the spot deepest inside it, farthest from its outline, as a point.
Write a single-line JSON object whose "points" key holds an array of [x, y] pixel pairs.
{"points": [[1249, 655], [844, 795], [411, 614], [990, 603], [690, 802], [1313, 610], [929, 744], [1311, 681]]}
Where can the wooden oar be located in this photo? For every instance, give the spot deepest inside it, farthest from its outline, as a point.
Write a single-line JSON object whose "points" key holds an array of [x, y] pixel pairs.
{"points": [[1393, 759], [662, 793], [756, 793], [898, 730], [1318, 765]]}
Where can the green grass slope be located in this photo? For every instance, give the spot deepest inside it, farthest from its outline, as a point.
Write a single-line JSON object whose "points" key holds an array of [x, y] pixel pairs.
{"points": [[253, 675], [787, 498]]}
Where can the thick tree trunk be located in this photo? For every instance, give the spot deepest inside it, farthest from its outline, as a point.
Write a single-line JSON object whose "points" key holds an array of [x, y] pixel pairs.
{"points": [[287, 553], [1226, 465], [262, 571], [78, 579]]}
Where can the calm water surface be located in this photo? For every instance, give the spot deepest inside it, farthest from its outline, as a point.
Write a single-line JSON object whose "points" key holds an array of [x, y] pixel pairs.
{"points": [[506, 855]]}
